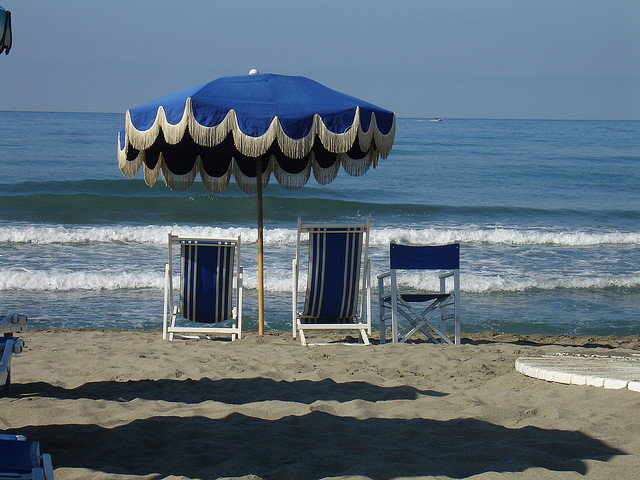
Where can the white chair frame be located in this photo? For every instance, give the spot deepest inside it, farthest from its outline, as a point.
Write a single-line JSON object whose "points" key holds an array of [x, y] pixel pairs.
{"points": [[172, 311], [362, 321]]}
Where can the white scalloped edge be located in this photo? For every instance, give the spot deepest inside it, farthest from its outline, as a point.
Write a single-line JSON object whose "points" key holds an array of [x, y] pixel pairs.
{"points": [[253, 147]]}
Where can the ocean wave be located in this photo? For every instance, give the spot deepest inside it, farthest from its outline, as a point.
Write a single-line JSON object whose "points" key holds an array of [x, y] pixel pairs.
{"points": [[99, 201], [59, 280], [473, 283], [508, 236], [157, 234]]}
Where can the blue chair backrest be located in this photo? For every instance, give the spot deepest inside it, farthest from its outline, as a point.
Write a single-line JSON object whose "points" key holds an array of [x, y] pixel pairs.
{"points": [[18, 457], [206, 277], [424, 257], [334, 274]]}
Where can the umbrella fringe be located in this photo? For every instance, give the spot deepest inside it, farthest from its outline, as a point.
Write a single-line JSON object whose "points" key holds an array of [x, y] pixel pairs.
{"points": [[174, 133], [249, 184], [324, 176], [383, 142], [290, 181], [296, 148], [177, 182], [128, 167], [293, 181], [151, 174], [364, 138], [357, 166], [209, 136], [214, 184], [372, 141], [338, 142], [255, 146], [142, 139], [374, 156]]}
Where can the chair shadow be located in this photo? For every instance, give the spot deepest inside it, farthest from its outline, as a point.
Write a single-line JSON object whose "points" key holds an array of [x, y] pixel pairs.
{"points": [[416, 339], [533, 343], [233, 391], [315, 445]]}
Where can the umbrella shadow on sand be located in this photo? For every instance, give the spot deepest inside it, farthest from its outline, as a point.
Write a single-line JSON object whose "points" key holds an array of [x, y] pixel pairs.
{"points": [[233, 391], [315, 445]]}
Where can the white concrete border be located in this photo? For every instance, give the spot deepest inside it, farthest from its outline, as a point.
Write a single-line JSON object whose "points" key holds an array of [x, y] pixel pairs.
{"points": [[611, 372]]}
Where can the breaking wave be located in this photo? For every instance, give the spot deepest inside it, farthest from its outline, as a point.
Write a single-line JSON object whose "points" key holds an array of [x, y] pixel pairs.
{"points": [[157, 234], [59, 280]]}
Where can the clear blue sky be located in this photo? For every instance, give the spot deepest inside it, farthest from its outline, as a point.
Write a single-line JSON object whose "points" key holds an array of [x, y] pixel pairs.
{"points": [[557, 59]]}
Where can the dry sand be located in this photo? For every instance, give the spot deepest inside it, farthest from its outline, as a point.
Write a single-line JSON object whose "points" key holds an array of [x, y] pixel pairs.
{"points": [[124, 404]]}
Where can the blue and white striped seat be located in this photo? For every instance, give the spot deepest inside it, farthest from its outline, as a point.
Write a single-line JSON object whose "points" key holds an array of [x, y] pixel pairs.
{"points": [[206, 287], [335, 287]]}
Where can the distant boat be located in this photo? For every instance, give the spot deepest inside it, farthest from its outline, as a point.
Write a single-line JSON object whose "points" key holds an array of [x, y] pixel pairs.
{"points": [[436, 119]]}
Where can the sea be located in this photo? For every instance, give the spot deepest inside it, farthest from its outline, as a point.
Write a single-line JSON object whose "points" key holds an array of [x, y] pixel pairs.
{"points": [[547, 214]]}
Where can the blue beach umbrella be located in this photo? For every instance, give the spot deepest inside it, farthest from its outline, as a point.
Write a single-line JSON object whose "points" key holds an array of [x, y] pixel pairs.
{"points": [[252, 126], [5, 31]]}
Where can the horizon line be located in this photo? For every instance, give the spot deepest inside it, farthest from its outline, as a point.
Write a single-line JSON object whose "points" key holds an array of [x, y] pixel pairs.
{"points": [[399, 117]]}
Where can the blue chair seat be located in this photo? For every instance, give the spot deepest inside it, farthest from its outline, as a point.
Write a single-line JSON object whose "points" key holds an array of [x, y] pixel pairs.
{"points": [[419, 297], [21, 459]]}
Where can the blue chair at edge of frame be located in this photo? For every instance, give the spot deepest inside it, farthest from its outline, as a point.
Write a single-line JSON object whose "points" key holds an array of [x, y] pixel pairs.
{"points": [[21, 459], [206, 288], [9, 344], [338, 280], [445, 305]]}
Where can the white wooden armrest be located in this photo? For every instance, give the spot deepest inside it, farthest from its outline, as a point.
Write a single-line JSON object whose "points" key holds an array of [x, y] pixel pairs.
{"points": [[384, 275]]}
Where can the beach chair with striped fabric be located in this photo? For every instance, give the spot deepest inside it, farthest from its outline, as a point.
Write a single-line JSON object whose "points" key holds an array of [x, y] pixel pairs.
{"points": [[206, 288], [337, 281], [443, 305], [21, 459]]}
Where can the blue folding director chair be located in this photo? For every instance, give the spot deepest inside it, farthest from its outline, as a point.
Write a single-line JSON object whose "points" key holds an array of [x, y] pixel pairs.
{"points": [[337, 281], [444, 304], [206, 288]]}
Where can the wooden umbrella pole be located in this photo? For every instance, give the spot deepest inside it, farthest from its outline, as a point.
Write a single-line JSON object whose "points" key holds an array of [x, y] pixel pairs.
{"points": [[260, 249]]}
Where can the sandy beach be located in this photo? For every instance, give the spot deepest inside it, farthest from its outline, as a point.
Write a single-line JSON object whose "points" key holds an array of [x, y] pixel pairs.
{"points": [[114, 404]]}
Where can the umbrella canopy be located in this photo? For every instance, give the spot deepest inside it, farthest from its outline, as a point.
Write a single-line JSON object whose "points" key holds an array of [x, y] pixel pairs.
{"points": [[251, 126], [5, 31]]}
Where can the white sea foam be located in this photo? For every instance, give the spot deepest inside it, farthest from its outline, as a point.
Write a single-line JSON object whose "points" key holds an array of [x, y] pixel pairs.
{"points": [[154, 234], [157, 234], [281, 281], [63, 280], [510, 236], [473, 283]]}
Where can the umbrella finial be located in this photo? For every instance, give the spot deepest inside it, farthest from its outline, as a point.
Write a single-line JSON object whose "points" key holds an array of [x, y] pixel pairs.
{"points": [[253, 71]]}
